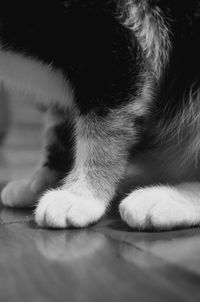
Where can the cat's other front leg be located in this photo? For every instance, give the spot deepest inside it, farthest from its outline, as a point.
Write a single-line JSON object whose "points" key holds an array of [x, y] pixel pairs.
{"points": [[56, 160], [101, 154]]}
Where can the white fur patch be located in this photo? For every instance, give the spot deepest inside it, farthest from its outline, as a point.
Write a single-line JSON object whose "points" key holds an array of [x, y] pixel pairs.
{"points": [[152, 33], [162, 207], [62, 209], [33, 77], [141, 105]]}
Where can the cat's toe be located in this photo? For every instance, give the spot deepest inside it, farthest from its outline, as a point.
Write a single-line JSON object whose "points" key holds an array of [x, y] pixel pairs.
{"points": [[62, 209], [18, 194], [160, 208]]}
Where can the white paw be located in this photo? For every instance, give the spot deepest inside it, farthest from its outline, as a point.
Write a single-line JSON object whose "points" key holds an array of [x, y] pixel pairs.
{"points": [[61, 209], [18, 194], [160, 207]]}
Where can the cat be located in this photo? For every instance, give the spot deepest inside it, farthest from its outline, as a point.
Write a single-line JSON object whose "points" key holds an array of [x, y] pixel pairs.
{"points": [[119, 80]]}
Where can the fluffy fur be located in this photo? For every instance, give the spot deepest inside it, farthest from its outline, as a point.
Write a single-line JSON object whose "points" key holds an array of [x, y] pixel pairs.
{"points": [[120, 81]]}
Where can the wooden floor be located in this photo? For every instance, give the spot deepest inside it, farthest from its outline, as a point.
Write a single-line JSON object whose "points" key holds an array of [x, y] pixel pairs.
{"points": [[106, 262]]}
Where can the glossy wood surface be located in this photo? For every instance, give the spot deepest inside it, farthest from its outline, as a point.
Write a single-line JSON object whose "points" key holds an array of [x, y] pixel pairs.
{"points": [[106, 262]]}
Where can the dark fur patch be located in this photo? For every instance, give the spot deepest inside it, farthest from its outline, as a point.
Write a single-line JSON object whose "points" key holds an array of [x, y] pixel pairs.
{"points": [[101, 57], [183, 72], [60, 152], [82, 38]]}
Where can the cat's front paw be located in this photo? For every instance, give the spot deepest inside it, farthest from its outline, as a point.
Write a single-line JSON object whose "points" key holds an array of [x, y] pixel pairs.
{"points": [[158, 208], [25, 192], [62, 209]]}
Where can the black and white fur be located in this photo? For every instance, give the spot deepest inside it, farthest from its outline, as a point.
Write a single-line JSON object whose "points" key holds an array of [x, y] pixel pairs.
{"points": [[120, 82]]}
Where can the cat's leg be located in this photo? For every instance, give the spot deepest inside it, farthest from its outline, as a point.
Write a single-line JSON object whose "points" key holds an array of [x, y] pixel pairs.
{"points": [[162, 207], [58, 144], [100, 161]]}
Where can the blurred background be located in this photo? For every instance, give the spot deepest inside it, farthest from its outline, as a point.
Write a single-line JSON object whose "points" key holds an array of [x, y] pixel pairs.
{"points": [[20, 135]]}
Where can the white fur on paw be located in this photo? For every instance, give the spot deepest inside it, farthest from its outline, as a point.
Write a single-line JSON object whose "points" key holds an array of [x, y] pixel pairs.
{"points": [[61, 209], [159, 207], [18, 194]]}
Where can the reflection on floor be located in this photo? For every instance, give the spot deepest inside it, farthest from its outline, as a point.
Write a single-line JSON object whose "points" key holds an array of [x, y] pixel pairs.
{"points": [[106, 262]]}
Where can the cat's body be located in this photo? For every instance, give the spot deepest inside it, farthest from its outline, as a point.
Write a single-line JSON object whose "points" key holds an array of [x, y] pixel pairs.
{"points": [[120, 81]]}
